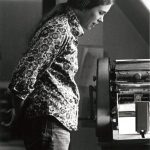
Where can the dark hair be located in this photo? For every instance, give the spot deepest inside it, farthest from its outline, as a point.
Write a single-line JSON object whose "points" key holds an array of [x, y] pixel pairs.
{"points": [[87, 4]]}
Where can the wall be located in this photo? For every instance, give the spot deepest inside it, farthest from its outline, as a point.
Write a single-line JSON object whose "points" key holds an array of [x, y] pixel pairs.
{"points": [[94, 37], [17, 19], [121, 39], [138, 14]]}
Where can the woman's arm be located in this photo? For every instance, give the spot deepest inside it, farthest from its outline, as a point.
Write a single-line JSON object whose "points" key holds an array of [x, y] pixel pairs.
{"points": [[43, 49]]}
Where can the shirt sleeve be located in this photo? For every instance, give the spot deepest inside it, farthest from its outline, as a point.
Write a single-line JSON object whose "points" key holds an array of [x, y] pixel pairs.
{"points": [[43, 49]]}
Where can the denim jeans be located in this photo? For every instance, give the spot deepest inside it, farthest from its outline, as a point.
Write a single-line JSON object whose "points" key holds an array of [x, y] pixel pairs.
{"points": [[45, 133]]}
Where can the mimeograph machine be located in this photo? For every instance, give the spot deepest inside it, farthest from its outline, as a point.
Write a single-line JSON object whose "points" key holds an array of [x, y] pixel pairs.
{"points": [[122, 109]]}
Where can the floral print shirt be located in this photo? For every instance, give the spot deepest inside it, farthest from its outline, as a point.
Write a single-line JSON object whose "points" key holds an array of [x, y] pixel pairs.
{"points": [[45, 74]]}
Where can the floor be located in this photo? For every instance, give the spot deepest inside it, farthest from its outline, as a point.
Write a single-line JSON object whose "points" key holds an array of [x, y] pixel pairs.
{"points": [[12, 145]]}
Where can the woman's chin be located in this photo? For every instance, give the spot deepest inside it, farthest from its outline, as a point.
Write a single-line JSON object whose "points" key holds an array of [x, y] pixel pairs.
{"points": [[88, 27]]}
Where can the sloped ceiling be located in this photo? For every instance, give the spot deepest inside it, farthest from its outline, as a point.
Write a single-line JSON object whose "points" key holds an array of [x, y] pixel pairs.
{"points": [[137, 14]]}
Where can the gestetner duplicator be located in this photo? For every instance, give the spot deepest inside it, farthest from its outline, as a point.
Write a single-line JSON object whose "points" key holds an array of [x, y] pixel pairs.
{"points": [[122, 99]]}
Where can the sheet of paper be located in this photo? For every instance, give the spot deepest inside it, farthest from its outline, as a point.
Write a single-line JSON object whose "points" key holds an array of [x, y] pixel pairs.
{"points": [[127, 125]]}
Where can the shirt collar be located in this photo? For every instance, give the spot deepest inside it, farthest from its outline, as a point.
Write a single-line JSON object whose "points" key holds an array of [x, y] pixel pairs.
{"points": [[76, 28]]}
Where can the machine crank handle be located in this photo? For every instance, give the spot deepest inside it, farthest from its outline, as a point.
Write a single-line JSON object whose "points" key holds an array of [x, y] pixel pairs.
{"points": [[92, 89]]}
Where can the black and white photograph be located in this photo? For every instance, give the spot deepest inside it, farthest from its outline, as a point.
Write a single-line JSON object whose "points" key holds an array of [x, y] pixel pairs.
{"points": [[74, 74]]}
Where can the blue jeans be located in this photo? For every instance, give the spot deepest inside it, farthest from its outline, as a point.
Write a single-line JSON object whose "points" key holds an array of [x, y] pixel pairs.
{"points": [[45, 133]]}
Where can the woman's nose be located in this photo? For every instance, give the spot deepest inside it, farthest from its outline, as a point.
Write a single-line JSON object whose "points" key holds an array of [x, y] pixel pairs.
{"points": [[101, 19]]}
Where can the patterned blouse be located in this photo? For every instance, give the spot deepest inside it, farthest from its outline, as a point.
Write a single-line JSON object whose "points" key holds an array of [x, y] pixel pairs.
{"points": [[45, 74]]}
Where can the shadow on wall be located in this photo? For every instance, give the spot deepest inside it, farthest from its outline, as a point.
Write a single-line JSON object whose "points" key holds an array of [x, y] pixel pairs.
{"points": [[121, 38], [138, 14], [17, 21]]}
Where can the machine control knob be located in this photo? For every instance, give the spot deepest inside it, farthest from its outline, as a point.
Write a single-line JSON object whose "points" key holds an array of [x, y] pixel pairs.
{"points": [[137, 76]]}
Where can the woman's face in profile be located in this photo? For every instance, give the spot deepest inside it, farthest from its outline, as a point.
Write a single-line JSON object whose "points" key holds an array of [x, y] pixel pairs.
{"points": [[93, 16]]}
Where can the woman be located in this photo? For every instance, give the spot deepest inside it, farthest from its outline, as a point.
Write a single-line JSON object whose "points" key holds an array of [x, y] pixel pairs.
{"points": [[44, 77]]}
